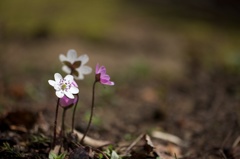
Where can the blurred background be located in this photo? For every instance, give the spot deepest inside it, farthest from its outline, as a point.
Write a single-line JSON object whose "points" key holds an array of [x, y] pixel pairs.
{"points": [[176, 64]]}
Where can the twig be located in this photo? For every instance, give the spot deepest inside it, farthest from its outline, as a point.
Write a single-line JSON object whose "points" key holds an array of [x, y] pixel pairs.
{"points": [[134, 143], [101, 153], [236, 142], [223, 154]]}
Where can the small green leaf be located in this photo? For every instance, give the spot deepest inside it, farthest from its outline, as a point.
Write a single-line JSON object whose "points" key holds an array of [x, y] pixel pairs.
{"points": [[52, 155], [114, 155], [100, 156]]}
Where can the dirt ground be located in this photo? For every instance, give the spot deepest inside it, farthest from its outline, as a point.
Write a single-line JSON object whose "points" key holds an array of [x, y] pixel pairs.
{"points": [[166, 81]]}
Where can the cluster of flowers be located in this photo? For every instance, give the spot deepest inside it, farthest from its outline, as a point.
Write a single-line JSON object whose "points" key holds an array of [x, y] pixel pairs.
{"points": [[67, 89]]}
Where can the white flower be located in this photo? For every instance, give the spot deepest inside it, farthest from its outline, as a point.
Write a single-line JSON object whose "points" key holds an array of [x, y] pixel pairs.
{"points": [[66, 86], [75, 65]]}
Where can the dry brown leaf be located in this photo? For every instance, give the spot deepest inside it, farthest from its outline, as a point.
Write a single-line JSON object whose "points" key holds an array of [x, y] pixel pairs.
{"points": [[91, 141]]}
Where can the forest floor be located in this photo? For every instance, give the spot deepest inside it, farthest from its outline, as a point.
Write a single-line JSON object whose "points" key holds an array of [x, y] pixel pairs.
{"points": [[173, 89]]}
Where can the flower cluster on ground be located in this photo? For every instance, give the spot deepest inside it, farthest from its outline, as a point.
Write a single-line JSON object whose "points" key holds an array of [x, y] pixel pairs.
{"points": [[67, 90]]}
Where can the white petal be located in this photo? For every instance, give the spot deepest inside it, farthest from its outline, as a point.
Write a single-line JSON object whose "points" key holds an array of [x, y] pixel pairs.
{"points": [[74, 90], [80, 76], [62, 58], [57, 87], [51, 82], [83, 58], [69, 78], [69, 95], [72, 55], [59, 94], [85, 69], [66, 69], [57, 77]]}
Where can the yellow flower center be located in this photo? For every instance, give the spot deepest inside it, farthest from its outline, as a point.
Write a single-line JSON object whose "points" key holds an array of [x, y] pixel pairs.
{"points": [[64, 86]]}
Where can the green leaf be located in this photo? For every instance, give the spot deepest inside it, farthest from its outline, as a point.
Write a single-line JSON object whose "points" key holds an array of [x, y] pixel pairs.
{"points": [[52, 155], [114, 155], [100, 156]]}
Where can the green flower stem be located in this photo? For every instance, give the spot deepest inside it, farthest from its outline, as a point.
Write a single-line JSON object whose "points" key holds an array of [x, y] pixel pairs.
{"points": [[55, 124], [74, 110], [91, 115]]}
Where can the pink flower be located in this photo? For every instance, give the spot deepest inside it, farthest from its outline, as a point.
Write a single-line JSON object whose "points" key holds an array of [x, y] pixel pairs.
{"points": [[67, 102], [101, 76]]}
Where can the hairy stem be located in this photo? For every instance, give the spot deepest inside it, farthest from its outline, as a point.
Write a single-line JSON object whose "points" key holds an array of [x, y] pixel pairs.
{"points": [[74, 110], [91, 115], [55, 124]]}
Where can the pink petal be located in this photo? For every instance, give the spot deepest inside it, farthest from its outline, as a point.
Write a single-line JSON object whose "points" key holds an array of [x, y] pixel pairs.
{"points": [[102, 70], [97, 69], [107, 77], [110, 83], [65, 101]]}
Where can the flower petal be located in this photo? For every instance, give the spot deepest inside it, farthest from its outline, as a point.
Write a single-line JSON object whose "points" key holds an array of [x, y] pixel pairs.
{"points": [[102, 70], [83, 58], [97, 69], [108, 83], [51, 82], [111, 83], [57, 87], [69, 78], [66, 69], [104, 76], [69, 95], [71, 55], [84, 69], [103, 81], [80, 76], [57, 77], [59, 94], [74, 84], [65, 101], [74, 90], [62, 58]]}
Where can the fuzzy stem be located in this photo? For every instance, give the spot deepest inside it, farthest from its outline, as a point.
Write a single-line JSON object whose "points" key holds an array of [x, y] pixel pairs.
{"points": [[55, 124], [74, 110], [91, 115], [63, 125]]}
